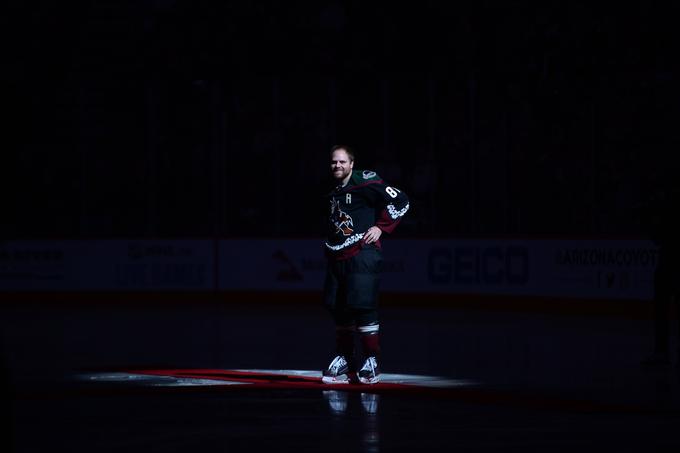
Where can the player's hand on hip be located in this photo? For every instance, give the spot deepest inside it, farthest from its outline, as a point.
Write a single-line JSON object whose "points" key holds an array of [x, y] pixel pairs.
{"points": [[372, 235]]}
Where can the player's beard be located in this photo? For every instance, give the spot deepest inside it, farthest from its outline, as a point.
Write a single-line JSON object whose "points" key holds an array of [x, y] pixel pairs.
{"points": [[341, 174]]}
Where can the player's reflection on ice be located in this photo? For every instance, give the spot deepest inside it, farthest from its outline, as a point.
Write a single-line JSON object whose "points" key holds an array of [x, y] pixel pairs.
{"points": [[339, 402]]}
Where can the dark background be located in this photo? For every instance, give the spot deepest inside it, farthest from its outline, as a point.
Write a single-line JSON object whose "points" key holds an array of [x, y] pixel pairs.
{"points": [[181, 118], [172, 118]]}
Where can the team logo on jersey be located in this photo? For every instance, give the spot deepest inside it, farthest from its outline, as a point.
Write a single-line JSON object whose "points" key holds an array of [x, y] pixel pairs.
{"points": [[342, 221], [368, 174]]}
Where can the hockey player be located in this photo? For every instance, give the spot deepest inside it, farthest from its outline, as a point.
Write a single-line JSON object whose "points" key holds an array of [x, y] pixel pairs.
{"points": [[362, 208]]}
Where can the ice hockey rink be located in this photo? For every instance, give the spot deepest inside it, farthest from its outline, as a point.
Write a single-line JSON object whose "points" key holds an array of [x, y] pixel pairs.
{"points": [[243, 375]]}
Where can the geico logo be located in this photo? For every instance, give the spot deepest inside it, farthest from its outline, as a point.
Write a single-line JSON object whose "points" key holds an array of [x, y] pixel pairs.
{"points": [[473, 265]]}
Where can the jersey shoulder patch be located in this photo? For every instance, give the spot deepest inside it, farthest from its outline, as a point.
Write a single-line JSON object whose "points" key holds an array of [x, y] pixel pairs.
{"points": [[369, 174], [363, 176]]}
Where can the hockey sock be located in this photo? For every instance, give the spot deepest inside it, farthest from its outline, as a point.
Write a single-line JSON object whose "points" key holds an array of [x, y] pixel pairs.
{"points": [[344, 341], [370, 340]]}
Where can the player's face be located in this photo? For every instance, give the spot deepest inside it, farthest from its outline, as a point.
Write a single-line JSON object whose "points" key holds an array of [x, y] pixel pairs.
{"points": [[341, 165]]}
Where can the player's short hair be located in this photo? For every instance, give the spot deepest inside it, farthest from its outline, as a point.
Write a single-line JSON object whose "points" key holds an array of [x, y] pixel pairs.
{"points": [[347, 149]]}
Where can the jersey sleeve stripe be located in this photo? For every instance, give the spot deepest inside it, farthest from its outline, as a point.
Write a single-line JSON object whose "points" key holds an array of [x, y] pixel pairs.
{"points": [[394, 213], [380, 181]]}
